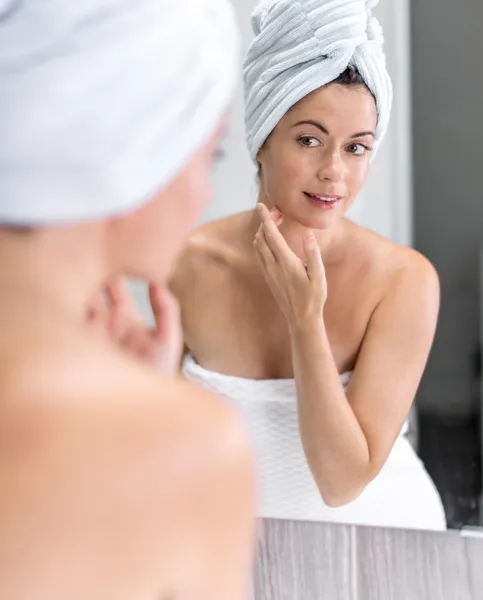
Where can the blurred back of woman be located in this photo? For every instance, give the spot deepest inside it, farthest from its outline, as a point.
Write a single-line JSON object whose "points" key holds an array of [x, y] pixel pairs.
{"points": [[115, 481]]}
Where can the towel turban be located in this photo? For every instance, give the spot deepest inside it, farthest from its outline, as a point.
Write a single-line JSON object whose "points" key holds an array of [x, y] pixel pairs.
{"points": [[103, 102], [302, 45]]}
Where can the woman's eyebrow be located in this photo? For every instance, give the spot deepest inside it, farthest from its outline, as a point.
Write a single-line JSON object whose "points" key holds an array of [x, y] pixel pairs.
{"points": [[362, 134], [324, 129], [315, 124]]}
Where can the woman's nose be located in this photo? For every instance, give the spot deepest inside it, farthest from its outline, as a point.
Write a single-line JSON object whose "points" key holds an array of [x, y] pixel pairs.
{"points": [[332, 167]]}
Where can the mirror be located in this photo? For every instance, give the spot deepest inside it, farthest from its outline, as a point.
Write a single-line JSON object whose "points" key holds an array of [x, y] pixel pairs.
{"points": [[415, 196]]}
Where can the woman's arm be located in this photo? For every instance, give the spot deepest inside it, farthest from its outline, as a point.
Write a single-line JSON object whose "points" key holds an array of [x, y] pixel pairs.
{"points": [[348, 438]]}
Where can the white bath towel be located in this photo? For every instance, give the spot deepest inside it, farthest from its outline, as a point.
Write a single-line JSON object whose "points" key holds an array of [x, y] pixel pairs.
{"points": [[102, 102]]}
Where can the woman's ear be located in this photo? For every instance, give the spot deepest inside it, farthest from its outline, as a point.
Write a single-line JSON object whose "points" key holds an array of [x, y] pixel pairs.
{"points": [[259, 172], [260, 158], [261, 153]]}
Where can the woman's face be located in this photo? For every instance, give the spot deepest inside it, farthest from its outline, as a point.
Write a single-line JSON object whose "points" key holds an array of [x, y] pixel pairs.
{"points": [[316, 160], [152, 236]]}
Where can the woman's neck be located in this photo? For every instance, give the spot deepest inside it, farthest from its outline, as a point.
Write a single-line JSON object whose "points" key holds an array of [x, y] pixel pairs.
{"points": [[329, 240], [61, 266]]}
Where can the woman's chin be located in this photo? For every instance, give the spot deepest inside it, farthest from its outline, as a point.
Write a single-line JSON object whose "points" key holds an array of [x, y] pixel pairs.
{"points": [[312, 217], [319, 222]]}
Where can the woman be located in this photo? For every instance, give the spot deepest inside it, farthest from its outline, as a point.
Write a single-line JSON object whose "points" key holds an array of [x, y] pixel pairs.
{"points": [[317, 329], [109, 471]]}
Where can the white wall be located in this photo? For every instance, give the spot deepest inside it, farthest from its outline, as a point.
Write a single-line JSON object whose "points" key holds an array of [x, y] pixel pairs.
{"points": [[385, 204]]}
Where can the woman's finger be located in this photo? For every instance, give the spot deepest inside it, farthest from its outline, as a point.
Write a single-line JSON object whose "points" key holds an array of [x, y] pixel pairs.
{"points": [[160, 308], [274, 238], [120, 324], [276, 216], [315, 266], [165, 309], [120, 297], [264, 252], [167, 350]]}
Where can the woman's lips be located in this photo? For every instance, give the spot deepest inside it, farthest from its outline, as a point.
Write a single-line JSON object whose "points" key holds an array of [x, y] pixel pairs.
{"points": [[325, 202]]}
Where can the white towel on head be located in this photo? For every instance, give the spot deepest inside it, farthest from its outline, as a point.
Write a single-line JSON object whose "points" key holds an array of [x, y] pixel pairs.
{"points": [[103, 102], [302, 45]]}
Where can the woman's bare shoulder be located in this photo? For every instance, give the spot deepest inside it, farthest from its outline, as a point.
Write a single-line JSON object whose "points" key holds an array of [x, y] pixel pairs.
{"points": [[391, 263], [390, 255], [115, 439], [70, 370], [210, 251]]}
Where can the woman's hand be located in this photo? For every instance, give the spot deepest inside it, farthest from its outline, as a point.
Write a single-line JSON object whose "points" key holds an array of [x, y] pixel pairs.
{"points": [[115, 314], [300, 291]]}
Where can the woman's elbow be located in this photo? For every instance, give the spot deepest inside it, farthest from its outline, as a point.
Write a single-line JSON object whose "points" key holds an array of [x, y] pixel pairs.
{"points": [[339, 490], [337, 494], [336, 499]]}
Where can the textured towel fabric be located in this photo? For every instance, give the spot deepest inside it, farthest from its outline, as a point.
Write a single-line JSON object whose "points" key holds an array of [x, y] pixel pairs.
{"points": [[103, 102], [302, 45], [402, 495]]}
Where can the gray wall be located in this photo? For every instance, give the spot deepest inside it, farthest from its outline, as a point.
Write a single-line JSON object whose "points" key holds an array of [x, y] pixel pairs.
{"points": [[448, 196]]}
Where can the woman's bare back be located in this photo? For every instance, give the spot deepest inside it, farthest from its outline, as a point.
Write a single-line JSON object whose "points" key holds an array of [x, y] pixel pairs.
{"points": [[116, 483], [231, 321]]}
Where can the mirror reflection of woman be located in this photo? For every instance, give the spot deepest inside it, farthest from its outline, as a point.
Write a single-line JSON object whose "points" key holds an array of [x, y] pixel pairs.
{"points": [[317, 329], [109, 468]]}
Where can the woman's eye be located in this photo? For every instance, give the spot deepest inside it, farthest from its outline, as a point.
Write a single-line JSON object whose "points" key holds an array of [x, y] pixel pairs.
{"points": [[358, 149], [309, 142]]}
